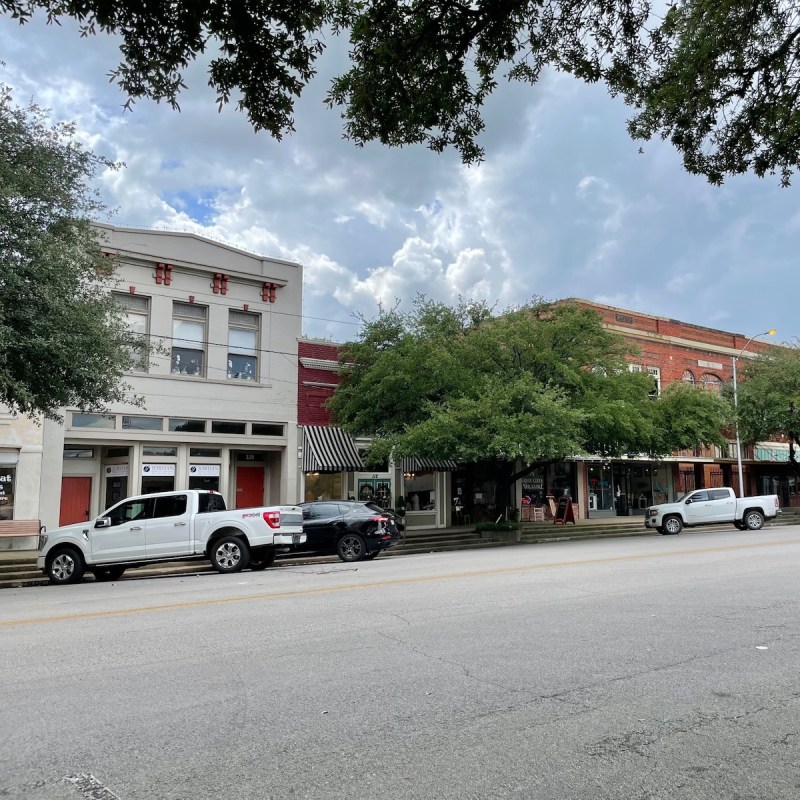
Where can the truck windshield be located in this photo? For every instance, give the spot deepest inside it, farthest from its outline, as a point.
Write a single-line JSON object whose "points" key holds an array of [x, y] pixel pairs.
{"points": [[210, 502]]}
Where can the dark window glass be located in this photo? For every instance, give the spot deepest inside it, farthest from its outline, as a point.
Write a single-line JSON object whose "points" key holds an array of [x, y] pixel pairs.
{"points": [[159, 451], [700, 497], [718, 494], [115, 452], [323, 511], [204, 452], [211, 502], [78, 452], [142, 423], [129, 511], [267, 429], [187, 362], [106, 421], [228, 427], [172, 506], [187, 425]]}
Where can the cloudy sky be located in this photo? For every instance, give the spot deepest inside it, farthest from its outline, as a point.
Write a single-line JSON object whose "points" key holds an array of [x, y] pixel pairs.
{"points": [[565, 205]]}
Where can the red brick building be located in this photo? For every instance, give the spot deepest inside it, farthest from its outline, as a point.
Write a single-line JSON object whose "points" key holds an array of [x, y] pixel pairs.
{"points": [[669, 350]]}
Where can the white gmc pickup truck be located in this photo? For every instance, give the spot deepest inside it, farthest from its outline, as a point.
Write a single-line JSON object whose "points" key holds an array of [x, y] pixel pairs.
{"points": [[169, 526], [709, 506]]}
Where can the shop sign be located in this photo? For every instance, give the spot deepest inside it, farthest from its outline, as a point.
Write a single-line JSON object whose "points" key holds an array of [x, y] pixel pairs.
{"points": [[117, 471], [158, 469], [204, 470]]}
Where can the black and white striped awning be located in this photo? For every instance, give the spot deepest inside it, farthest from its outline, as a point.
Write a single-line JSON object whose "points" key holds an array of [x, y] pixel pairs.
{"points": [[417, 464], [328, 449]]}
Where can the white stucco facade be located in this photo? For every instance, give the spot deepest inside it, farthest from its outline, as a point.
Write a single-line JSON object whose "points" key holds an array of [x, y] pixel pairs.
{"points": [[219, 397]]}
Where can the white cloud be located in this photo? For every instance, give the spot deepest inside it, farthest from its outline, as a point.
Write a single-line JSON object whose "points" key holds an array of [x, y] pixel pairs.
{"points": [[564, 204]]}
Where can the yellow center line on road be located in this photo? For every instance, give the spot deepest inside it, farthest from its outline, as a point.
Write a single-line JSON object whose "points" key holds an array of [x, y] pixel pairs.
{"points": [[391, 582]]}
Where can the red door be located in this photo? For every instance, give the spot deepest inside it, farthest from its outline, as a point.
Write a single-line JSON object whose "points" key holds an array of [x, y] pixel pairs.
{"points": [[76, 496], [249, 487]]}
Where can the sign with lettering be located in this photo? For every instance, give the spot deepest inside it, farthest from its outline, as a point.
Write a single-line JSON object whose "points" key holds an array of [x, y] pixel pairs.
{"points": [[117, 470], [204, 470], [158, 469]]}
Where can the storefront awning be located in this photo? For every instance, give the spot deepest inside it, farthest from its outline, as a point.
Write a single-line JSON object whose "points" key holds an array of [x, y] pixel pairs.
{"points": [[417, 464], [328, 449]]}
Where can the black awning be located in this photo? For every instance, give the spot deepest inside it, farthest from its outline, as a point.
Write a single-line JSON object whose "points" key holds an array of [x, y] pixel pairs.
{"points": [[328, 449], [417, 464]]}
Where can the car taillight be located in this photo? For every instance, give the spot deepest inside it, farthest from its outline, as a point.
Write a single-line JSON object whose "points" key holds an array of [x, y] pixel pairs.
{"points": [[273, 518], [378, 519]]}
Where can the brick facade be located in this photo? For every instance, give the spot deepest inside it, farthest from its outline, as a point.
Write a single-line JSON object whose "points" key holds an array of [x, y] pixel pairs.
{"points": [[316, 380]]}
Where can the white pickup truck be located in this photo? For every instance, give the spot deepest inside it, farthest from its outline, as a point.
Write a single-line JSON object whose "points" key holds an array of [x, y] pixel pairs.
{"points": [[169, 526], [709, 506]]}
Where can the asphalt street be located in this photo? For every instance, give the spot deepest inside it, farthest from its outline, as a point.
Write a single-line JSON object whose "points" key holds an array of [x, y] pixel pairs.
{"points": [[639, 668]]}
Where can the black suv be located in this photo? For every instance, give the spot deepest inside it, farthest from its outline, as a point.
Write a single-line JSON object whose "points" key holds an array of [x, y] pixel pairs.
{"points": [[354, 530]]}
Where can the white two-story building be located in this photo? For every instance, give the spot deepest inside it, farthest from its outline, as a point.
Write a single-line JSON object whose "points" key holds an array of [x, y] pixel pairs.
{"points": [[219, 394]]}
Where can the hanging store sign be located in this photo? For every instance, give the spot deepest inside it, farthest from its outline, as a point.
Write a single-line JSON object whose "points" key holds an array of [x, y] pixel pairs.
{"points": [[158, 469], [117, 470], [204, 470]]}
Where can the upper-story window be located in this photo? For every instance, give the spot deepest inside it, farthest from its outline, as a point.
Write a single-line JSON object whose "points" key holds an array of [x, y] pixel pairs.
{"points": [[188, 339], [243, 345], [711, 382], [137, 315], [688, 377], [655, 374]]}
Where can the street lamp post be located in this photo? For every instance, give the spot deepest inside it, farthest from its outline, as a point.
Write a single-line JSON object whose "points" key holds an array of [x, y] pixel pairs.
{"points": [[734, 359]]}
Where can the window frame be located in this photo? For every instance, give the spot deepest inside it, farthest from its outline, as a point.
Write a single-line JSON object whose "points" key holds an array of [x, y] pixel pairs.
{"points": [[237, 322], [177, 318]]}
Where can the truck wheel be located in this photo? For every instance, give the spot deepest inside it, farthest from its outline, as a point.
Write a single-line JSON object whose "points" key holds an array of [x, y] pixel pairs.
{"points": [[351, 547], [754, 520], [229, 554], [108, 573], [673, 524], [262, 559], [65, 565]]}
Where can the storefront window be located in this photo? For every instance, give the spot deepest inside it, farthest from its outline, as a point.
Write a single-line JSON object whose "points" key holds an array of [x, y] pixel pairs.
{"points": [[377, 490], [204, 477], [420, 492], [601, 492], [323, 486], [7, 483]]}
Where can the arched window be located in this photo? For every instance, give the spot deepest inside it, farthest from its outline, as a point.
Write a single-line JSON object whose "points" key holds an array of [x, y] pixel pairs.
{"points": [[688, 377], [711, 382]]}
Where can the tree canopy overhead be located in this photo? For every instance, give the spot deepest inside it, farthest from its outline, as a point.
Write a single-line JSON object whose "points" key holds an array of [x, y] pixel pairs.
{"points": [[769, 399], [542, 382], [63, 341], [718, 78]]}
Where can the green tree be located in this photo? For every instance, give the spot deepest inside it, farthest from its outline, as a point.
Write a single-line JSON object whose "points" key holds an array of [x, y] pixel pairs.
{"points": [[63, 342], [769, 399], [538, 383], [718, 78]]}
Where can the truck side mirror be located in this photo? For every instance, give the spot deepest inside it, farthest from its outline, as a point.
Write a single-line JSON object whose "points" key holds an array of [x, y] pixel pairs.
{"points": [[688, 501], [102, 522]]}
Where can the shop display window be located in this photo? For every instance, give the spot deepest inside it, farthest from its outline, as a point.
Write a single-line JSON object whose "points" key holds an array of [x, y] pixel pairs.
{"points": [[323, 486], [7, 482], [420, 492]]}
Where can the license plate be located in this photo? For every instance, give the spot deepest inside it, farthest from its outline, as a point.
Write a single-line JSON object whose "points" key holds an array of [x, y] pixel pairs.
{"points": [[295, 538]]}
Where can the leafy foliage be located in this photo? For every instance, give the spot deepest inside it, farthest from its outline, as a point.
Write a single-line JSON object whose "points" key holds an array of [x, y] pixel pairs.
{"points": [[718, 78], [769, 398], [541, 382], [63, 342]]}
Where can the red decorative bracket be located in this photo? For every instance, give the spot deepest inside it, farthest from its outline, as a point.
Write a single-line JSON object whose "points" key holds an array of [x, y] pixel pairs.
{"points": [[268, 292], [220, 283], [164, 274]]}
